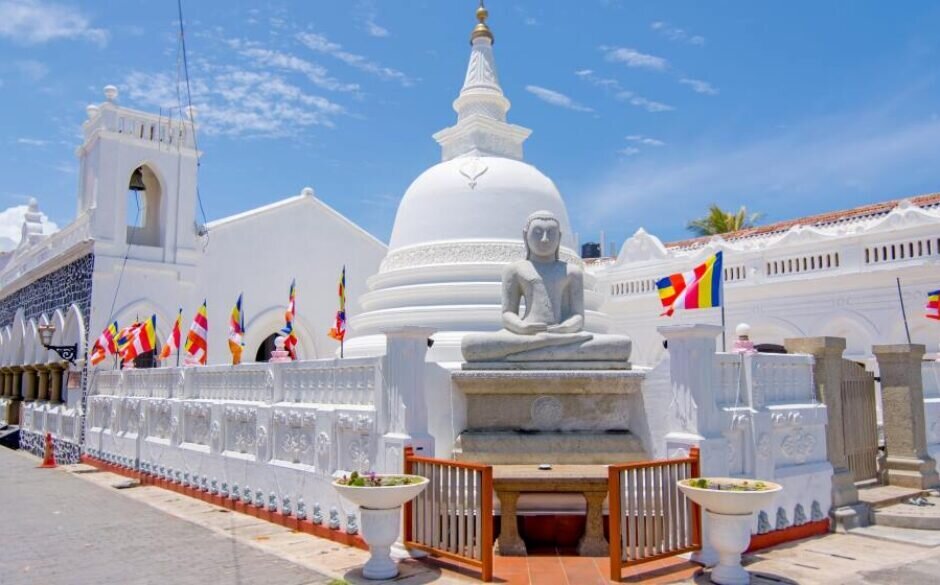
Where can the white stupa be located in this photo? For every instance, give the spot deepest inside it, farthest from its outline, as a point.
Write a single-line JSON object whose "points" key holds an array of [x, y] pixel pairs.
{"points": [[460, 222]]}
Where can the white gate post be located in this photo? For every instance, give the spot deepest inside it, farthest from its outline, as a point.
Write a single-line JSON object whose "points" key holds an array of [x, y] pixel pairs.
{"points": [[691, 362]]}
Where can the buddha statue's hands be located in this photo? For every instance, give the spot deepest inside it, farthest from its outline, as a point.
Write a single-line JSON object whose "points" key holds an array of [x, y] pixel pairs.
{"points": [[533, 328], [572, 324], [513, 322]]}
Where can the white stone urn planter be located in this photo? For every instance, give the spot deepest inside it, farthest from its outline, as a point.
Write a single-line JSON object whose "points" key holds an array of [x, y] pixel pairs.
{"points": [[380, 509], [730, 504]]}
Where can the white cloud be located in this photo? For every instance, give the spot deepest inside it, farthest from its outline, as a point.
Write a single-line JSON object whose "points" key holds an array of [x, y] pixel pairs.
{"points": [[634, 58], [321, 44], [32, 141], [556, 99], [368, 15], [33, 22], [642, 102], [11, 226], [629, 151], [674, 33], [236, 102], [314, 72], [699, 86], [624, 95], [376, 30], [644, 140]]}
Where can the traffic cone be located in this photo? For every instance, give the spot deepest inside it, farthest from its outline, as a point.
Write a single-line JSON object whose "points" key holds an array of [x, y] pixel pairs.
{"points": [[48, 460]]}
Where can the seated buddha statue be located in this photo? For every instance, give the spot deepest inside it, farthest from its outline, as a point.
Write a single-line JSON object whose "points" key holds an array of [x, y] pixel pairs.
{"points": [[548, 333]]}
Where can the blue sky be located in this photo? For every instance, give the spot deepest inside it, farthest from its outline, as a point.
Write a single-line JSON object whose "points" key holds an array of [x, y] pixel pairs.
{"points": [[643, 112]]}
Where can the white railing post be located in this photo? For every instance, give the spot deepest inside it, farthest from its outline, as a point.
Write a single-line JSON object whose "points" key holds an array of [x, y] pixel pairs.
{"points": [[400, 401], [696, 418]]}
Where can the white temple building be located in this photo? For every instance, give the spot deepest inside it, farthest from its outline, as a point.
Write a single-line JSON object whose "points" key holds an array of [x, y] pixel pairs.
{"points": [[283, 429], [132, 253], [832, 274]]}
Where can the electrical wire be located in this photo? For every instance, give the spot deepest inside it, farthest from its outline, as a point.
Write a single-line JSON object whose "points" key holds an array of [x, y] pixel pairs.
{"points": [[189, 99]]}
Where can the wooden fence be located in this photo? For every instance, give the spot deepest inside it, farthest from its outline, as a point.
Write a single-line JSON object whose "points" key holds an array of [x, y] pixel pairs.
{"points": [[453, 516], [649, 517]]}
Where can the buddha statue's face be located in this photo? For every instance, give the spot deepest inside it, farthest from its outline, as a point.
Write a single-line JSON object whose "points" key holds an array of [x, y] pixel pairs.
{"points": [[543, 238]]}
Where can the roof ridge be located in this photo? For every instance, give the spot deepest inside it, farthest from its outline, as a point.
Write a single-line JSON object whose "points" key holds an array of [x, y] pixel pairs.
{"points": [[818, 220]]}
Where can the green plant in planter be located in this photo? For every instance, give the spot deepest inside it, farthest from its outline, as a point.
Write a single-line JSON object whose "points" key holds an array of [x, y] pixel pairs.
{"points": [[371, 479]]}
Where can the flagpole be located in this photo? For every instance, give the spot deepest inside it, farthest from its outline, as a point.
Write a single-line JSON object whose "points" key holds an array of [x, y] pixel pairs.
{"points": [[179, 345], [724, 342], [907, 329]]}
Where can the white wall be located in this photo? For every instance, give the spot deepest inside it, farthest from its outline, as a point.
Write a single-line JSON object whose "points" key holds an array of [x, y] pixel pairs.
{"points": [[260, 251]]}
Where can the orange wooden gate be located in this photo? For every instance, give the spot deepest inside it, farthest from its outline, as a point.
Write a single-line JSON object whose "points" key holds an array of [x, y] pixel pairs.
{"points": [[453, 516], [649, 517]]}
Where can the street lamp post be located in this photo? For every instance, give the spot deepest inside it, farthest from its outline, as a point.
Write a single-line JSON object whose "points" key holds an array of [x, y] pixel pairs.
{"points": [[66, 352]]}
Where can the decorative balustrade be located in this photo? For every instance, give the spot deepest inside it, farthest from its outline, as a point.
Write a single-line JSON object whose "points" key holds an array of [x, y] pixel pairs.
{"points": [[249, 383], [161, 130], [279, 427], [49, 247], [728, 380], [348, 381], [781, 379]]}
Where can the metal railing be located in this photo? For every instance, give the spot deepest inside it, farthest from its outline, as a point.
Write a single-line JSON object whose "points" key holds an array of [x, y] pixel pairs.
{"points": [[649, 517], [453, 517]]}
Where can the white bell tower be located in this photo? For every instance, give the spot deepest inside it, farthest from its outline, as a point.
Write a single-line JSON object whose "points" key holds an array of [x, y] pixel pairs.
{"points": [[138, 183]]}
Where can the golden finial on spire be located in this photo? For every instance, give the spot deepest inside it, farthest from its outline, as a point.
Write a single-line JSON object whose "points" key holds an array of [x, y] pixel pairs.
{"points": [[481, 29]]}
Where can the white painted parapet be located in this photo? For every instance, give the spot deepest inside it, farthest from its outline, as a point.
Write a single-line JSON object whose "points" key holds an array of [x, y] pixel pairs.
{"points": [[752, 416], [274, 428]]}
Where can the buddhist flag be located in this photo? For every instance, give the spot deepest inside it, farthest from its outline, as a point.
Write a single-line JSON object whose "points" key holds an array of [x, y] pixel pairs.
{"points": [[173, 341], [124, 338], [933, 305], [338, 332], [105, 345], [236, 332], [143, 339], [698, 289], [197, 339], [290, 337]]}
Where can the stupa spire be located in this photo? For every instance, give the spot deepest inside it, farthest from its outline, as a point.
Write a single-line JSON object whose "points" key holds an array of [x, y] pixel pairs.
{"points": [[481, 29], [481, 106]]}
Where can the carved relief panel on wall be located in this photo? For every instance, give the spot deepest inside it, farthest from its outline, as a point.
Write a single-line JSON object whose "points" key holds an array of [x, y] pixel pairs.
{"points": [[295, 436]]}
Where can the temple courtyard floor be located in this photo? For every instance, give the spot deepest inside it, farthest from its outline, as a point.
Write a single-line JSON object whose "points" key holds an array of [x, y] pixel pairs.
{"points": [[75, 525]]}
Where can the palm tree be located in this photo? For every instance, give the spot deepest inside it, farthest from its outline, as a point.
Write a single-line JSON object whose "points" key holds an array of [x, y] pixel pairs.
{"points": [[719, 221]]}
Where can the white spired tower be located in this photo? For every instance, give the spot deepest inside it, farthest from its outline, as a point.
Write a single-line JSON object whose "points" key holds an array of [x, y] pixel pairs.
{"points": [[460, 223]]}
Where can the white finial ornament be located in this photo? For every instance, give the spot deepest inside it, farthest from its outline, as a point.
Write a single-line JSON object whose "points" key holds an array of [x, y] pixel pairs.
{"points": [[307, 192], [481, 107], [110, 93]]}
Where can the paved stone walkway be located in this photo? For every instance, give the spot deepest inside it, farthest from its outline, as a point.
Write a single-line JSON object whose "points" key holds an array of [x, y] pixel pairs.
{"points": [[59, 529], [67, 527]]}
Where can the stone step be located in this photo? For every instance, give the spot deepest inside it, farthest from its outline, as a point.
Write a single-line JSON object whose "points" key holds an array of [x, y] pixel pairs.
{"points": [[882, 496], [910, 516], [513, 447]]}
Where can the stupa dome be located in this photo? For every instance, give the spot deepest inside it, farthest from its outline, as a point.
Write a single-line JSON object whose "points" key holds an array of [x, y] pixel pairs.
{"points": [[475, 197], [460, 223]]}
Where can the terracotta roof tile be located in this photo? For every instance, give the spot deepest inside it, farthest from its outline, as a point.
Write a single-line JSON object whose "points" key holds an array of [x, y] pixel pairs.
{"points": [[820, 220]]}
